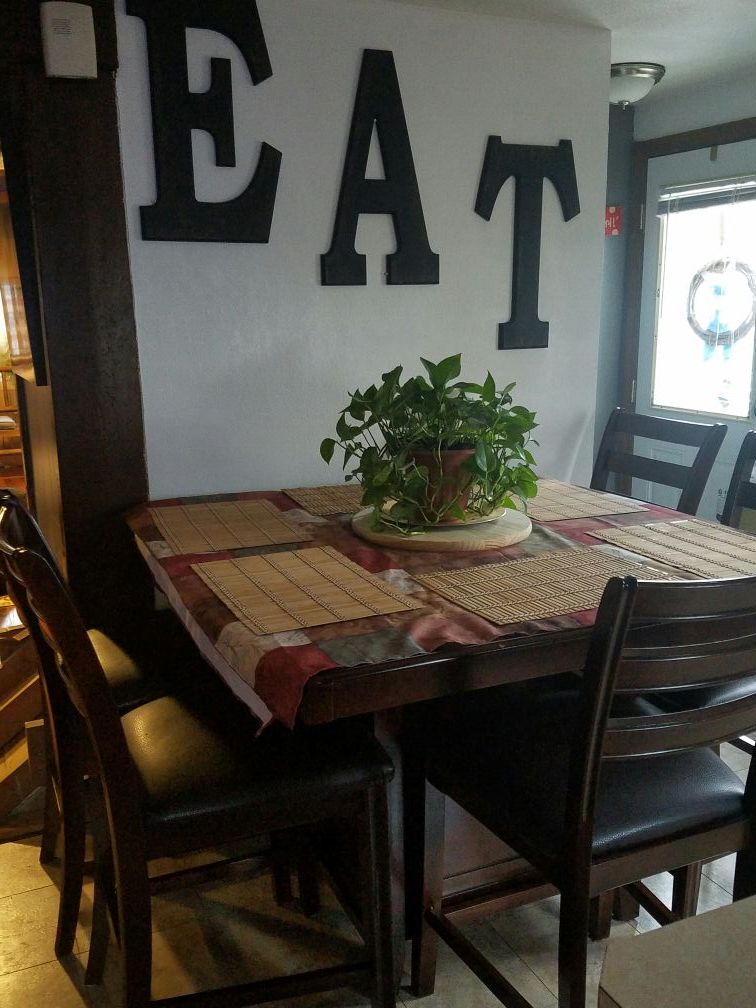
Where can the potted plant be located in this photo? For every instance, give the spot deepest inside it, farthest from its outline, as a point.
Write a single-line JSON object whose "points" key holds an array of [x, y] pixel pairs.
{"points": [[432, 450]]}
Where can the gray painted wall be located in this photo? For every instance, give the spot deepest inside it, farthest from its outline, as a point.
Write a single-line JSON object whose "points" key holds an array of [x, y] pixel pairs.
{"points": [[618, 175]]}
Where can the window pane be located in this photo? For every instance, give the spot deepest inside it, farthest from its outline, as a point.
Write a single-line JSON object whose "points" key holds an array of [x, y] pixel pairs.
{"points": [[704, 346]]}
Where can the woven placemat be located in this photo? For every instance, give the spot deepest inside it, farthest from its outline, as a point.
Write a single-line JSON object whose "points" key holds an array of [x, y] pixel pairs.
{"points": [[345, 498], [709, 550], [223, 525], [557, 501], [551, 584], [300, 588]]}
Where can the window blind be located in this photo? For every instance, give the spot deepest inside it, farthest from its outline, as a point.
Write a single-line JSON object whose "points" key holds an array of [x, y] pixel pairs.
{"points": [[673, 199]]}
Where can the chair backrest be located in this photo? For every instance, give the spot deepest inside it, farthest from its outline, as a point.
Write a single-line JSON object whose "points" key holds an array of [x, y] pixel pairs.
{"points": [[79, 700], [653, 637], [21, 528], [742, 490], [616, 454]]}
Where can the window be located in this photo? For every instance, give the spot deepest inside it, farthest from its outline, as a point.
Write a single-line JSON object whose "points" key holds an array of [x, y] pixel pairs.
{"points": [[706, 298]]}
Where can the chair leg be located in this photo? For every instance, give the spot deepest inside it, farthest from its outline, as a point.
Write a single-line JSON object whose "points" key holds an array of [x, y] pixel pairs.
{"points": [[51, 824], [135, 930], [103, 895], [573, 948], [600, 918], [626, 906], [73, 839], [745, 873], [686, 886], [307, 877], [378, 903], [280, 865], [425, 941]]}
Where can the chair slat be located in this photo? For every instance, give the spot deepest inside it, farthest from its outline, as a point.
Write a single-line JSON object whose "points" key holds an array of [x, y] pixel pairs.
{"points": [[653, 470], [617, 454]]}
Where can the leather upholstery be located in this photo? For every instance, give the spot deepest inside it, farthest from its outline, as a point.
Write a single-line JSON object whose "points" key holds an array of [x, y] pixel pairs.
{"points": [[513, 777], [128, 683], [223, 784]]}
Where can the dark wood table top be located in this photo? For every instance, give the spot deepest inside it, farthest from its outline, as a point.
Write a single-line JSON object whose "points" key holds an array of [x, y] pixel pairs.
{"points": [[379, 662]]}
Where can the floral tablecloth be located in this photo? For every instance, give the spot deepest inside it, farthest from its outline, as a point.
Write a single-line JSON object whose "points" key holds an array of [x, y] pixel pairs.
{"points": [[269, 673]]}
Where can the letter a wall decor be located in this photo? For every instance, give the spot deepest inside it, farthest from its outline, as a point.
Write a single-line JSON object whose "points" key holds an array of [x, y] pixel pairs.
{"points": [[379, 103], [529, 165], [177, 215]]}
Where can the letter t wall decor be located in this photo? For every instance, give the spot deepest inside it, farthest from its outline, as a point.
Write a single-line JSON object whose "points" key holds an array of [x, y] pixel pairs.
{"points": [[177, 215], [379, 103], [529, 165]]}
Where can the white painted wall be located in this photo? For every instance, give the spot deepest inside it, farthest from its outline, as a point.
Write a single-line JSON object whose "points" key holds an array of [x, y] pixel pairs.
{"points": [[245, 357], [717, 101]]}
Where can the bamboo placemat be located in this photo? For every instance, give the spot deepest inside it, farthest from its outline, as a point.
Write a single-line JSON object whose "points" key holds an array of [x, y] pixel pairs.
{"points": [[344, 498], [300, 588], [552, 584], [557, 501], [709, 550], [207, 528]]}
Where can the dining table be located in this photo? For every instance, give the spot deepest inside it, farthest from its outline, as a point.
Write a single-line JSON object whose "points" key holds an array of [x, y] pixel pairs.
{"points": [[445, 622]]}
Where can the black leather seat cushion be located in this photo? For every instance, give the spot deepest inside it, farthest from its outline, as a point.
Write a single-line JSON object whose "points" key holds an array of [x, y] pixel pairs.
{"points": [[505, 758], [129, 684], [197, 777], [161, 659]]}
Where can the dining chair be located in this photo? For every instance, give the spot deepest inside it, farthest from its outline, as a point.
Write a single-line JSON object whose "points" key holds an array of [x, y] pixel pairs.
{"points": [[741, 493], [175, 781], [741, 496], [131, 681], [129, 684], [592, 783], [617, 454]]}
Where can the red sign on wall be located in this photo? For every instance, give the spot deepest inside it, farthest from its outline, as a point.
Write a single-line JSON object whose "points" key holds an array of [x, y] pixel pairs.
{"points": [[613, 221]]}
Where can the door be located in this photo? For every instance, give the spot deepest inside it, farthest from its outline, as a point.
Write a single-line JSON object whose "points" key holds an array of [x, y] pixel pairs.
{"points": [[696, 345]]}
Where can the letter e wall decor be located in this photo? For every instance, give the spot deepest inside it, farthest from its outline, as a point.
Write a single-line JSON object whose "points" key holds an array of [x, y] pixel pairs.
{"points": [[529, 165], [379, 102], [177, 215]]}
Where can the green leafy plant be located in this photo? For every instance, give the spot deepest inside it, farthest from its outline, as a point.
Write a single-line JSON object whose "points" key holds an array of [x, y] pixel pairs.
{"points": [[382, 429]]}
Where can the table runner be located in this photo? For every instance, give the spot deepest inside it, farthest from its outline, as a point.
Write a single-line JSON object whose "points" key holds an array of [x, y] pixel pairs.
{"points": [[552, 584], [300, 588], [557, 501], [713, 551], [221, 525], [345, 498]]}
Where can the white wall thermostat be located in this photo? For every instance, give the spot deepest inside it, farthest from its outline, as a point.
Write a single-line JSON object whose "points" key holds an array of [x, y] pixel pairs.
{"points": [[68, 39]]}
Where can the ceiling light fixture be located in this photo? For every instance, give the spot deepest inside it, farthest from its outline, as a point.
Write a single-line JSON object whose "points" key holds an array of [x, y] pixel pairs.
{"points": [[632, 81]]}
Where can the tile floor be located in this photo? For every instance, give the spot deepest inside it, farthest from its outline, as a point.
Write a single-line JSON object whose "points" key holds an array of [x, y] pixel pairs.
{"points": [[226, 932]]}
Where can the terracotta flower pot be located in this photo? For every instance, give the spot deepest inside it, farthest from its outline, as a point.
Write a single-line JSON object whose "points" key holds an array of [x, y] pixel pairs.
{"points": [[448, 483]]}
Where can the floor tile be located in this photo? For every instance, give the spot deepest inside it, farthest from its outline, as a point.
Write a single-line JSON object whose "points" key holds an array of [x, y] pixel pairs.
{"points": [[50, 986], [27, 928], [736, 759], [20, 869], [721, 871], [533, 933], [458, 987]]}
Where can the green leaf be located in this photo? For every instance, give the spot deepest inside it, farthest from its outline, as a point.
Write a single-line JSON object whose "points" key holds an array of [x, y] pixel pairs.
{"points": [[489, 389], [454, 511], [345, 430], [327, 446], [448, 368]]}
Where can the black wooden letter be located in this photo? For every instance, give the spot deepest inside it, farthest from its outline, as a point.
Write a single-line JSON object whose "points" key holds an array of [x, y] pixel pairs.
{"points": [[177, 215], [530, 165], [379, 102]]}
